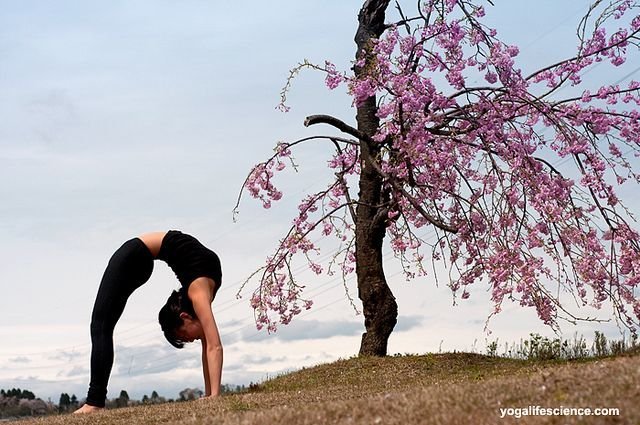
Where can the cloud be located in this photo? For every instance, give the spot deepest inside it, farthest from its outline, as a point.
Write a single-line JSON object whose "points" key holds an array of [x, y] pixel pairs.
{"points": [[317, 329], [20, 359], [67, 356], [75, 371], [230, 324], [260, 360], [157, 358], [53, 102], [406, 323], [307, 329]]}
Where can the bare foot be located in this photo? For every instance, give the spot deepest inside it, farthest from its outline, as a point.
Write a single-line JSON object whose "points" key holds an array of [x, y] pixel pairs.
{"points": [[87, 408]]}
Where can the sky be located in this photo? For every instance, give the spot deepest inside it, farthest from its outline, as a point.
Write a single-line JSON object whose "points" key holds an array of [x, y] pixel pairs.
{"points": [[125, 117]]}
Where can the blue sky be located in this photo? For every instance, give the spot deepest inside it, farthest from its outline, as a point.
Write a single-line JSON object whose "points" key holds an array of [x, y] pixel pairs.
{"points": [[124, 117]]}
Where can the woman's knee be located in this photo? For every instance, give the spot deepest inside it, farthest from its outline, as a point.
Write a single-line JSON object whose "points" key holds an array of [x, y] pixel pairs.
{"points": [[101, 325]]}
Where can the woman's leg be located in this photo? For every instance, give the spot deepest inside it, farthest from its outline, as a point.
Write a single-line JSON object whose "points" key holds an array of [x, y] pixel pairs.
{"points": [[130, 266]]}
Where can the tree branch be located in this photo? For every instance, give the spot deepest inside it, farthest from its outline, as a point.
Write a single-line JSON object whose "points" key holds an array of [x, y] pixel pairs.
{"points": [[581, 57], [339, 124], [342, 126]]}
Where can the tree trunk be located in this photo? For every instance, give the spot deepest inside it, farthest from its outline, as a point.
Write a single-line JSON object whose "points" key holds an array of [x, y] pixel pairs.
{"points": [[379, 304]]}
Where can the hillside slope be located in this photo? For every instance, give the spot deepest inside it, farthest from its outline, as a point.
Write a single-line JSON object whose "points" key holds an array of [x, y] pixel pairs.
{"points": [[429, 389]]}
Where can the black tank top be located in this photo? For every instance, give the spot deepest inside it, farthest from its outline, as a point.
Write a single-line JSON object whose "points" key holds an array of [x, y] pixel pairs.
{"points": [[189, 259]]}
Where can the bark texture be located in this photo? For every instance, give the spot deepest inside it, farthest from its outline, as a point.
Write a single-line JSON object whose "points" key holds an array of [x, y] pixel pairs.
{"points": [[379, 305]]}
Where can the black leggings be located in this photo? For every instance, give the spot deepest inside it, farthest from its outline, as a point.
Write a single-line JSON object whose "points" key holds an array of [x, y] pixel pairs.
{"points": [[130, 266]]}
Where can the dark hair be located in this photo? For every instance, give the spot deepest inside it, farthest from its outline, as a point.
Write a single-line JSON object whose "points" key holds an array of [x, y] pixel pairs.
{"points": [[169, 316]]}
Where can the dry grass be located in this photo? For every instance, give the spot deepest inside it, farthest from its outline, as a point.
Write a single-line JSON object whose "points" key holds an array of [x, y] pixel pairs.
{"points": [[429, 389]]}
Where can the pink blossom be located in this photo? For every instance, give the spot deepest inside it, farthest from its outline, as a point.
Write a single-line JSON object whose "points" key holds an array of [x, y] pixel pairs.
{"points": [[491, 77], [333, 78]]}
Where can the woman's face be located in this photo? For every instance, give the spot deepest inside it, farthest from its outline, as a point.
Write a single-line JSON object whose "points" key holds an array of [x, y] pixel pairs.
{"points": [[190, 330]]}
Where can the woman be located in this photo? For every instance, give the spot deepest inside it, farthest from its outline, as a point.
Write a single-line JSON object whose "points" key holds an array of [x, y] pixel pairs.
{"points": [[185, 317]]}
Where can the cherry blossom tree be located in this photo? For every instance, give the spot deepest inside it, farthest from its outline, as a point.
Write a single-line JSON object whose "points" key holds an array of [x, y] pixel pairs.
{"points": [[475, 163]]}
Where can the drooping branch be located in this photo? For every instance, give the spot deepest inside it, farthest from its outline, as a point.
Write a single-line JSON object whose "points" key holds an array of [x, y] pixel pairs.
{"points": [[263, 166], [580, 57], [340, 176]]}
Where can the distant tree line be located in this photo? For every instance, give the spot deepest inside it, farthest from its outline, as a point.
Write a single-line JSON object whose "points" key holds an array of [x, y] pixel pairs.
{"points": [[67, 403], [15, 402], [18, 393]]}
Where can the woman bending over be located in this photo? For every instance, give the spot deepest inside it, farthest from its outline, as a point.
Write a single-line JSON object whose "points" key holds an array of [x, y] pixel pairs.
{"points": [[186, 316]]}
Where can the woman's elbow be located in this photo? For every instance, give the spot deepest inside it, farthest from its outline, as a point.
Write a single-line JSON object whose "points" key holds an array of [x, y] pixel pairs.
{"points": [[214, 348]]}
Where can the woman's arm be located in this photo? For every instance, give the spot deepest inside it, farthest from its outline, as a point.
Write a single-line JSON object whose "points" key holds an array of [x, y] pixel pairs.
{"points": [[205, 369], [201, 294]]}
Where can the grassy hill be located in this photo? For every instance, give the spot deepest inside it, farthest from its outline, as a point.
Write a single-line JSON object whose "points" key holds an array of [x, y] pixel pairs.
{"points": [[458, 388]]}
